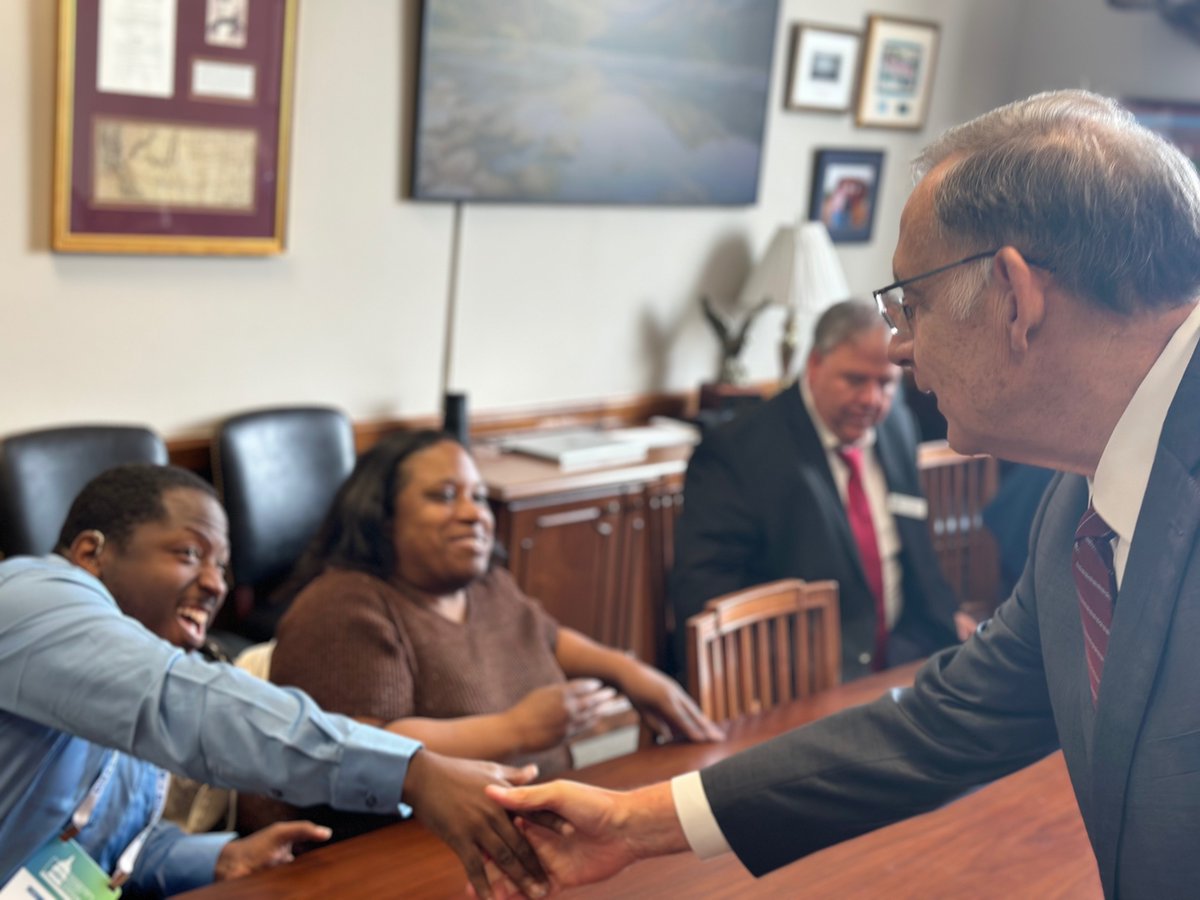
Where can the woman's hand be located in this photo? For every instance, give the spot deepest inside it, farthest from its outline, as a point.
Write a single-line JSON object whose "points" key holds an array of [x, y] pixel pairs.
{"points": [[550, 715], [665, 706]]}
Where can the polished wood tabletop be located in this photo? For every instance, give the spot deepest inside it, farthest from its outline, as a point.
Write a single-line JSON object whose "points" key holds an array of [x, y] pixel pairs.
{"points": [[1019, 837]]}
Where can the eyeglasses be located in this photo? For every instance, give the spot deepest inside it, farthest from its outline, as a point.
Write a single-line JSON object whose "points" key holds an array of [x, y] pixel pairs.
{"points": [[890, 299]]}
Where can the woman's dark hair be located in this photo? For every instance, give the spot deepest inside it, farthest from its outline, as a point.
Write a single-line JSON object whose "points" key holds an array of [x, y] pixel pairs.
{"points": [[357, 530]]}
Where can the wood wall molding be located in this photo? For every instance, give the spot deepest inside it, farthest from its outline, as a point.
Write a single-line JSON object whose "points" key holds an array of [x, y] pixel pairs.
{"points": [[193, 451]]}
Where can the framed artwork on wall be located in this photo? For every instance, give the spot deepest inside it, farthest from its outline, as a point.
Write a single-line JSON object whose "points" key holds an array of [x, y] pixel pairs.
{"points": [[172, 126], [898, 62], [845, 188], [823, 68]]}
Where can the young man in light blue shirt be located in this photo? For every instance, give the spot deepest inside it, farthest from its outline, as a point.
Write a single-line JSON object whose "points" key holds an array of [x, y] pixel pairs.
{"points": [[85, 671]]}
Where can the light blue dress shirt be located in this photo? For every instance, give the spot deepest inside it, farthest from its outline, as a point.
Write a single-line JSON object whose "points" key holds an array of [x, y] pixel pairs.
{"points": [[78, 676]]}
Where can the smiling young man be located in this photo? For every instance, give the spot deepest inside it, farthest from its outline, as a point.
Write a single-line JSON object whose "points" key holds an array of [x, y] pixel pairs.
{"points": [[1048, 291], [95, 697], [821, 482]]}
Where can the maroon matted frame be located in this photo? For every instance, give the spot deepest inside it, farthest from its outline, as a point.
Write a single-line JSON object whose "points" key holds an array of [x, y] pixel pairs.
{"points": [[187, 217]]}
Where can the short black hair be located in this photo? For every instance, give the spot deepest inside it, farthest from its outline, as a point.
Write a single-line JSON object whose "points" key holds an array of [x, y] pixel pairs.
{"points": [[119, 499]]}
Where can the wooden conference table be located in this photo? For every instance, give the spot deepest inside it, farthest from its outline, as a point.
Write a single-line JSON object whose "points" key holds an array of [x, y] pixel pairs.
{"points": [[1019, 837]]}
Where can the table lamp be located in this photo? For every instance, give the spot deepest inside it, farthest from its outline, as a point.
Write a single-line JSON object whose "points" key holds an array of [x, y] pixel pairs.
{"points": [[801, 272]]}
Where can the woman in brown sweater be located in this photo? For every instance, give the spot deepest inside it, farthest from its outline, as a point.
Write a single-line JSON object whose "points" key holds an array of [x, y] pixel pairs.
{"points": [[400, 620]]}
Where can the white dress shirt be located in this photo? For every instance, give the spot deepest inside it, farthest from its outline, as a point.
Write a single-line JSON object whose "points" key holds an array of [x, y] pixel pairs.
{"points": [[875, 486], [1118, 489], [1124, 468]]}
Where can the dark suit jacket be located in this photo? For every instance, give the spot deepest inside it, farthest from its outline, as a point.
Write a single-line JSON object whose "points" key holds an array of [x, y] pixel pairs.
{"points": [[760, 503], [1016, 690]]}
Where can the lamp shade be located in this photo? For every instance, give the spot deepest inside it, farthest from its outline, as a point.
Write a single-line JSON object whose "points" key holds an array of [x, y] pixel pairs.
{"points": [[799, 271], [817, 279]]}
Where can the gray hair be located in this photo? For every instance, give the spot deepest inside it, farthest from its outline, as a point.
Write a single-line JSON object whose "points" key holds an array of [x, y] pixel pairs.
{"points": [[1071, 180], [843, 321]]}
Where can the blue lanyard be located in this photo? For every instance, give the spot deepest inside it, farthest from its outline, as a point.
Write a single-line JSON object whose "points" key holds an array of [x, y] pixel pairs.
{"points": [[87, 806]]}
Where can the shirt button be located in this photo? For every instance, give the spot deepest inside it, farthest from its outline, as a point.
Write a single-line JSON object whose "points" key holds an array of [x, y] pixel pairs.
{"points": [[864, 658], [370, 801]]}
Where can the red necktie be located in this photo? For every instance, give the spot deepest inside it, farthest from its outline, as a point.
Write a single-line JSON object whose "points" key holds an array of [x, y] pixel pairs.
{"points": [[1096, 585], [858, 511]]}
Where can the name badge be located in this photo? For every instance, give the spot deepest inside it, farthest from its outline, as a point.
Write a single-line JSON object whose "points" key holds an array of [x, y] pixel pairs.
{"points": [[908, 506], [60, 870]]}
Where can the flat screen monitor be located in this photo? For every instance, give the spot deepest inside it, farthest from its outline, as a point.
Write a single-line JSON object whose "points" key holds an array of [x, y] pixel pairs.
{"points": [[593, 101]]}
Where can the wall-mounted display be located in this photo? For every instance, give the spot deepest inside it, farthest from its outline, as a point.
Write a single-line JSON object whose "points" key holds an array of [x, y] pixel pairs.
{"points": [[823, 68], [898, 62], [845, 188], [603, 101], [172, 126]]}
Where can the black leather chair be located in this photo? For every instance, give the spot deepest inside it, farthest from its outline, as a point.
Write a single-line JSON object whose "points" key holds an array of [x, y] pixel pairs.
{"points": [[42, 471], [277, 471]]}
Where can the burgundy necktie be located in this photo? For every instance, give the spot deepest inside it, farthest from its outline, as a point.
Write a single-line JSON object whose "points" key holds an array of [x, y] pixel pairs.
{"points": [[1096, 585], [858, 511]]}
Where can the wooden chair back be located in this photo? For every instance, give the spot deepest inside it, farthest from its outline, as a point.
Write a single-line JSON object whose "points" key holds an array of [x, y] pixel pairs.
{"points": [[958, 488], [755, 649]]}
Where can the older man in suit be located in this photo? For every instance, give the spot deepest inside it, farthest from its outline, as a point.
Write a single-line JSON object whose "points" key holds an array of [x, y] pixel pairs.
{"points": [[821, 482], [1047, 287]]}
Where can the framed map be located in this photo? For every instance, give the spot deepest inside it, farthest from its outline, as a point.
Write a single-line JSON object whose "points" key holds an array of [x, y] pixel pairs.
{"points": [[172, 126]]}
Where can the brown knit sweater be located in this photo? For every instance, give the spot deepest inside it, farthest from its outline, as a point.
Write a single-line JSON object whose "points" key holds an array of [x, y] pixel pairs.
{"points": [[360, 647]]}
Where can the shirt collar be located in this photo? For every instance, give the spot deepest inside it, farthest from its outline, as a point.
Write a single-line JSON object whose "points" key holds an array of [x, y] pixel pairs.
{"points": [[1124, 468], [828, 439]]}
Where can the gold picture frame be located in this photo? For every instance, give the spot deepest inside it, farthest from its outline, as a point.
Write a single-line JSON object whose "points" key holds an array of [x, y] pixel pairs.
{"points": [[899, 59], [173, 136]]}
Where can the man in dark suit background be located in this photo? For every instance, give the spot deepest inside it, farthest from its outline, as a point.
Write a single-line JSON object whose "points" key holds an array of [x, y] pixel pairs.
{"points": [[772, 495], [1047, 290]]}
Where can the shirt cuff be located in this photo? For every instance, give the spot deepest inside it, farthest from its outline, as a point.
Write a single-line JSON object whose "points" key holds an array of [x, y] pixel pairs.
{"points": [[696, 816], [191, 863], [371, 771]]}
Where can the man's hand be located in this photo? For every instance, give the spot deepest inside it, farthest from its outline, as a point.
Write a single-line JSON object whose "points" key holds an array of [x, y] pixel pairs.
{"points": [[447, 797], [265, 849], [964, 624], [584, 834], [550, 715], [666, 707]]}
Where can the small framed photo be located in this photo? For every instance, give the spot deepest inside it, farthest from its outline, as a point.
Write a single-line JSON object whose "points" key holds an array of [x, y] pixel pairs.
{"points": [[823, 68], [845, 188], [898, 63], [225, 23]]}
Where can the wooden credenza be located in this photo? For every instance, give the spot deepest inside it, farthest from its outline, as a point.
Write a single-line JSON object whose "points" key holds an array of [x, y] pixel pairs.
{"points": [[593, 547]]}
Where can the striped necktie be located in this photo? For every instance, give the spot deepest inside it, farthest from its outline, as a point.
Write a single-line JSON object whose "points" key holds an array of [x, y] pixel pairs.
{"points": [[1096, 585]]}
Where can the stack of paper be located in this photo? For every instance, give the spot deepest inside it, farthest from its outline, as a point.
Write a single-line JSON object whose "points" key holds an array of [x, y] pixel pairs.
{"points": [[579, 449]]}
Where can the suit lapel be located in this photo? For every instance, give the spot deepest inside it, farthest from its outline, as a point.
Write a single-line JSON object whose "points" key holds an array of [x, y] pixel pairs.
{"points": [[1058, 580], [1159, 556], [890, 451]]}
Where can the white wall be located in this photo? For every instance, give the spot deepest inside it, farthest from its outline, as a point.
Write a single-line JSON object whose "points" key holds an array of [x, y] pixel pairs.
{"points": [[554, 303], [1122, 53]]}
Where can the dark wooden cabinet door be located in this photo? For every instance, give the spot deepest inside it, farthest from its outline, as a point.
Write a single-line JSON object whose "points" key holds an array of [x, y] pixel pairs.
{"points": [[565, 552], [664, 502]]}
